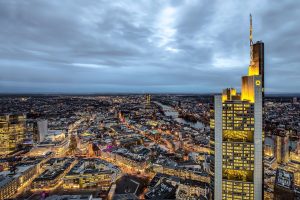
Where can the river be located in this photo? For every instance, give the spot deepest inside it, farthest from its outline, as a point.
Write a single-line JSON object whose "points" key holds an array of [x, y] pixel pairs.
{"points": [[170, 111]]}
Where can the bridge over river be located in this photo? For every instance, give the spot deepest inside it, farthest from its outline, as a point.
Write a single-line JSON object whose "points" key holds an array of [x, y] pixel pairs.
{"points": [[170, 111]]}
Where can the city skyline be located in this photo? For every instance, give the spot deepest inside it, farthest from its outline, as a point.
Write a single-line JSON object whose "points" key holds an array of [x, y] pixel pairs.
{"points": [[175, 99], [169, 47]]}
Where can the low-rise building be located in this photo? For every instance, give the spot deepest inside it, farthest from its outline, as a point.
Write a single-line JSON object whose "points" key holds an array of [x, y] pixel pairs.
{"points": [[284, 185], [12, 182], [90, 174], [53, 174]]}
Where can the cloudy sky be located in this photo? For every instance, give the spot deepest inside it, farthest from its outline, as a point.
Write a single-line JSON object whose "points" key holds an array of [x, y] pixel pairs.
{"points": [[190, 46]]}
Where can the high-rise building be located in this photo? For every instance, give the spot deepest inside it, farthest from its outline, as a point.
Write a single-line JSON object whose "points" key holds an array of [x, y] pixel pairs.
{"points": [[42, 125], [12, 132], [31, 130], [237, 135], [282, 147], [257, 64], [148, 101], [36, 130], [294, 100]]}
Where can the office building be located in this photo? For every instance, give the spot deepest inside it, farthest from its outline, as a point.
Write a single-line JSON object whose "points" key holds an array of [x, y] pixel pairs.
{"points": [[12, 133], [257, 62], [282, 147], [148, 101], [12, 182], [284, 185], [36, 129], [55, 170], [31, 130], [237, 136], [42, 126], [91, 174], [294, 100]]}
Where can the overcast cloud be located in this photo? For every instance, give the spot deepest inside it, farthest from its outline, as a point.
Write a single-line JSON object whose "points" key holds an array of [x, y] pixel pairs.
{"points": [[197, 46]]}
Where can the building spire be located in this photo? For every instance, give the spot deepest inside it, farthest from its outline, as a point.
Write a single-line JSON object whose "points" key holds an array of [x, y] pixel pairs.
{"points": [[251, 42]]}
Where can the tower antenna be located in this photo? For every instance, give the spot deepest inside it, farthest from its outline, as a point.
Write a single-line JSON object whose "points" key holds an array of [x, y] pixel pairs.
{"points": [[251, 42]]}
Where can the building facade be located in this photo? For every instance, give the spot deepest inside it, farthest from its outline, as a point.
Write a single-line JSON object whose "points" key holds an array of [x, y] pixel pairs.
{"points": [[12, 183], [282, 147], [42, 125], [284, 185], [12, 132], [237, 135], [36, 130]]}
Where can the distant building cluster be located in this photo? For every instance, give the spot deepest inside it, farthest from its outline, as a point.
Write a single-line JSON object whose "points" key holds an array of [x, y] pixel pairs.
{"points": [[95, 145]]}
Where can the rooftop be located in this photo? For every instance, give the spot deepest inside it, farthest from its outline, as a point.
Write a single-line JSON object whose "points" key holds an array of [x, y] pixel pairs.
{"points": [[284, 179]]}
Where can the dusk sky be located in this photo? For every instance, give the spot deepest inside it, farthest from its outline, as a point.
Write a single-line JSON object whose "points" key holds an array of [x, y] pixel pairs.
{"points": [[191, 46]]}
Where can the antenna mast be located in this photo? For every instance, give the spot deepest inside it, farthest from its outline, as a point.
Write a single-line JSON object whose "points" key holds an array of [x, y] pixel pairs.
{"points": [[251, 42]]}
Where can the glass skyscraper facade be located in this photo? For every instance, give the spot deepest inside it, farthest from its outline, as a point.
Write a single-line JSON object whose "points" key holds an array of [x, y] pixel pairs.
{"points": [[12, 132]]}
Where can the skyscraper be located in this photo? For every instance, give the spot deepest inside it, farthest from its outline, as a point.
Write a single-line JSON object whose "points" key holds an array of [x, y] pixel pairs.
{"points": [[148, 101], [12, 132], [237, 135], [42, 129], [36, 130], [282, 147]]}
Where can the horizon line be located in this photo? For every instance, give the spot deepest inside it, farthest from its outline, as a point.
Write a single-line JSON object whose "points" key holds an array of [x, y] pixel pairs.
{"points": [[297, 94]]}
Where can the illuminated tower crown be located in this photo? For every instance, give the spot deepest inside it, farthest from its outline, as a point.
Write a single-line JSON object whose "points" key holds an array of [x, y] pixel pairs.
{"points": [[256, 66]]}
